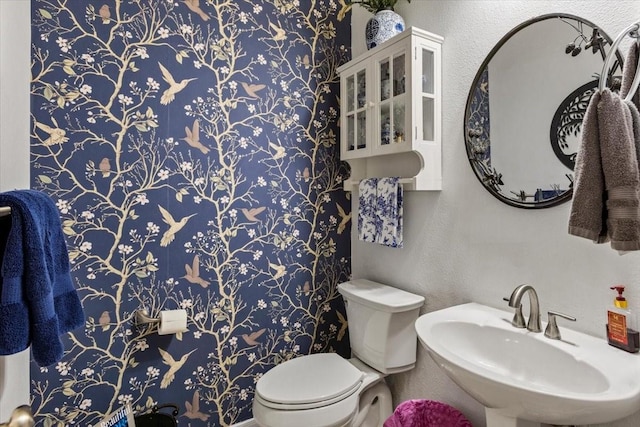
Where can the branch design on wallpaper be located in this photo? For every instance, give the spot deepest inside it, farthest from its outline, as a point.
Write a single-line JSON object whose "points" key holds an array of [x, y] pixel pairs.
{"points": [[191, 149]]}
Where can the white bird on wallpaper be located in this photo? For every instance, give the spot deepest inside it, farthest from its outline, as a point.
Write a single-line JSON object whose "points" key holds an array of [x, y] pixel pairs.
{"points": [[280, 151], [174, 226], [174, 366], [56, 135], [174, 87], [280, 33], [281, 270], [193, 273]]}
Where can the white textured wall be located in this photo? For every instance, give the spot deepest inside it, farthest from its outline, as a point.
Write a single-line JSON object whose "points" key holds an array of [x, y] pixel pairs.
{"points": [[14, 160], [462, 244]]}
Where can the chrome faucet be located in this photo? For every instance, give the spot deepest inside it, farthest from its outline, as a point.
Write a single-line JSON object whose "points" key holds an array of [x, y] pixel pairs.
{"points": [[552, 330], [534, 306]]}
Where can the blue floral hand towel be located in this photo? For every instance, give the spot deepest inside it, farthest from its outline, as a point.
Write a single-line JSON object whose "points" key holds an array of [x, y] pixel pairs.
{"points": [[38, 301], [367, 212], [389, 211], [380, 211]]}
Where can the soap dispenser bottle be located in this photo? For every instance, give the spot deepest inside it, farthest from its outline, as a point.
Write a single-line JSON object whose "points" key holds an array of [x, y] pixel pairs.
{"points": [[621, 328]]}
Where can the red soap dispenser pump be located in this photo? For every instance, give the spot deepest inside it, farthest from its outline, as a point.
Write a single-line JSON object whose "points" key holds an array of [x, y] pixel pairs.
{"points": [[621, 328]]}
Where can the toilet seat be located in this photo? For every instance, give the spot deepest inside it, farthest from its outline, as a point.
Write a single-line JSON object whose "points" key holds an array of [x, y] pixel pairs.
{"points": [[339, 414], [309, 382]]}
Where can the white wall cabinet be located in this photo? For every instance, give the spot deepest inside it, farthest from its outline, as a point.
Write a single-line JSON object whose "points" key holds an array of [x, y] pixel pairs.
{"points": [[391, 111]]}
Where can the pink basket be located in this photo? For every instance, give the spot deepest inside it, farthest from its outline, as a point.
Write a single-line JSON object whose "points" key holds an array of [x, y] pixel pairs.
{"points": [[426, 413]]}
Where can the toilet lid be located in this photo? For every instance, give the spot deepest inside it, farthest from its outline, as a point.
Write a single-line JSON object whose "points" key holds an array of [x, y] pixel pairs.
{"points": [[309, 379]]}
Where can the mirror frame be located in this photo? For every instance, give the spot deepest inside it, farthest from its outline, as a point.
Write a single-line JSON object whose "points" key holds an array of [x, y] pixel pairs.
{"points": [[493, 180]]}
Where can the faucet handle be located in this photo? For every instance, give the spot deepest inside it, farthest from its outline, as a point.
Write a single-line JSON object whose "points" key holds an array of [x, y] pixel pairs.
{"points": [[518, 318], [552, 330]]}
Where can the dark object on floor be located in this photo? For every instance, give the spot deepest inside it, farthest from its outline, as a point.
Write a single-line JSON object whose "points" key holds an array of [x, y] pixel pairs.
{"points": [[158, 419]]}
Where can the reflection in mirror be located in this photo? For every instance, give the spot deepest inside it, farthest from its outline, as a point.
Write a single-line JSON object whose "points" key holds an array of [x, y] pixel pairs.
{"points": [[525, 108]]}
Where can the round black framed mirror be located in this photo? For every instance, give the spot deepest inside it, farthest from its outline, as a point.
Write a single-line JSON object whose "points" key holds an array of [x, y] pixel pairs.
{"points": [[525, 107]]}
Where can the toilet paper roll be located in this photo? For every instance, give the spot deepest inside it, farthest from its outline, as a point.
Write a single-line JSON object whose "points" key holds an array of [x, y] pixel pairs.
{"points": [[172, 321]]}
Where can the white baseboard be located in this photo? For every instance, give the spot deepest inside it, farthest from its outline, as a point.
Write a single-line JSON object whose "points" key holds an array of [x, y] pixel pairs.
{"points": [[247, 423]]}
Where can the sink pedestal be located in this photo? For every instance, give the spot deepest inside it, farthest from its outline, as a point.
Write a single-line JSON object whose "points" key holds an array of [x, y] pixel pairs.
{"points": [[494, 419]]}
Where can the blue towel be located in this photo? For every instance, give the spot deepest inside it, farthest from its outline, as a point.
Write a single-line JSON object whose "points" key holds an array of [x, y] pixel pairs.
{"points": [[38, 301]]}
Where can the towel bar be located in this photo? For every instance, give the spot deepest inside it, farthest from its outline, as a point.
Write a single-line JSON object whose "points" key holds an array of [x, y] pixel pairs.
{"points": [[5, 210], [409, 184], [632, 30]]}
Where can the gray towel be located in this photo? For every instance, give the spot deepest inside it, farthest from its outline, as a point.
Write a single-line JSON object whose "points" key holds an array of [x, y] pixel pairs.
{"points": [[620, 167], [634, 213], [629, 72], [607, 181], [635, 117], [588, 212]]}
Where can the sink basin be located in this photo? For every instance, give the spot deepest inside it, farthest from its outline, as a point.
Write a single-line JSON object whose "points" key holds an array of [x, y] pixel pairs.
{"points": [[519, 374]]}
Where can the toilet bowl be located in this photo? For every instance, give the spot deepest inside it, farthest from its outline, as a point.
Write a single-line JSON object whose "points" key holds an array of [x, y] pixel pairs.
{"points": [[326, 390], [319, 390]]}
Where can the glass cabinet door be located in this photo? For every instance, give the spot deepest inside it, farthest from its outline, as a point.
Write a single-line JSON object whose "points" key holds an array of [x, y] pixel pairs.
{"points": [[385, 120], [392, 101], [356, 115], [399, 99], [427, 94]]}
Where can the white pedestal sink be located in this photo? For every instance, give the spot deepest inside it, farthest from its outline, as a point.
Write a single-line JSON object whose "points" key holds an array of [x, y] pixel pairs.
{"points": [[523, 378]]}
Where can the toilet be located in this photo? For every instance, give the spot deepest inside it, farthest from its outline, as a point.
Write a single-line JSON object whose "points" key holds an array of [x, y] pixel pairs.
{"points": [[326, 390]]}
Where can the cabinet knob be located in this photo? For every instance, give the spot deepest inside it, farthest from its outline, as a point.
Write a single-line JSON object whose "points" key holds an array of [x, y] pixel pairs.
{"points": [[372, 104]]}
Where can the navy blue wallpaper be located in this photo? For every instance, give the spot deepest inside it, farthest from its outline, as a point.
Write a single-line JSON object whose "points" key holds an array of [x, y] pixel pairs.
{"points": [[191, 147]]}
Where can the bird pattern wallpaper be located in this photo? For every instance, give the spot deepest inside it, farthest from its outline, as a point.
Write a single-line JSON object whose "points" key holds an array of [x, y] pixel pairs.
{"points": [[191, 149]]}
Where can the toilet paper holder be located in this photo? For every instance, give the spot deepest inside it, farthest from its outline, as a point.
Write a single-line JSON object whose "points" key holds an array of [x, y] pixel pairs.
{"points": [[168, 322], [20, 417], [141, 317]]}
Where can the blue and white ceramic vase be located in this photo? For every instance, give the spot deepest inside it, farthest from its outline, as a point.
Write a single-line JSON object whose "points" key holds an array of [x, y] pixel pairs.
{"points": [[384, 25]]}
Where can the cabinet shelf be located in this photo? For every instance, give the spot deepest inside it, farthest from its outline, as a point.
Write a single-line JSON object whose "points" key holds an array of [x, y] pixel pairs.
{"points": [[391, 112]]}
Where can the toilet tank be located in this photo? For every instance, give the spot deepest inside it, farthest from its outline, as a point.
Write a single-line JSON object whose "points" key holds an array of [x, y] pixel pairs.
{"points": [[381, 324]]}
